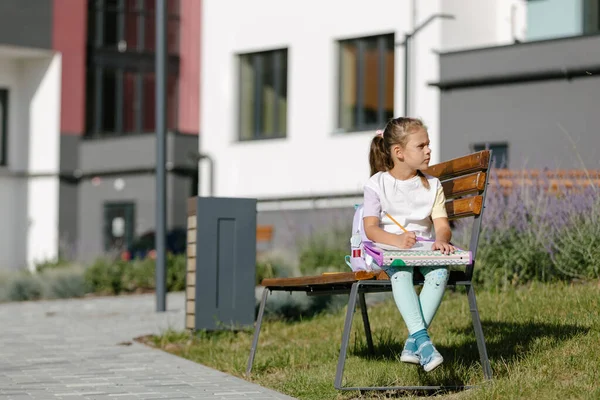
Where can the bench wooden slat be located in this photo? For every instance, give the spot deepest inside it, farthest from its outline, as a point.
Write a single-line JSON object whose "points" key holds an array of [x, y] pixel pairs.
{"points": [[343, 278], [464, 185], [460, 166], [327, 278], [310, 280], [465, 207]]}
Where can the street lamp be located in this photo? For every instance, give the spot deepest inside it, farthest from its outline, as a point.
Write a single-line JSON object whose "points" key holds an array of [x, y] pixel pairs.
{"points": [[161, 131], [406, 44]]}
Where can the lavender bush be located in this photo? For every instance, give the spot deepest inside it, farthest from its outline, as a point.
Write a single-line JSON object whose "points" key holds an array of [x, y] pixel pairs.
{"points": [[536, 230]]}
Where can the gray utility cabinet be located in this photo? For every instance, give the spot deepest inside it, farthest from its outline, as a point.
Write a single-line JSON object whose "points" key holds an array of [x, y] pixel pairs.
{"points": [[221, 263]]}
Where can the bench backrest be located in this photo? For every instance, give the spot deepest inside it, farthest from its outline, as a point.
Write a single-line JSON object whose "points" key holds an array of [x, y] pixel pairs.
{"points": [[465, 182]]}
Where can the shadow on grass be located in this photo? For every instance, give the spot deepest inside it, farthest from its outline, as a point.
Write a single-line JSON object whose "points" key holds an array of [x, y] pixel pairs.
{"points": [[509, 341]]}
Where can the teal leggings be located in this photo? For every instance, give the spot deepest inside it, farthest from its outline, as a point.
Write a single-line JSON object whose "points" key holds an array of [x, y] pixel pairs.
{"points": [[418, 311]]}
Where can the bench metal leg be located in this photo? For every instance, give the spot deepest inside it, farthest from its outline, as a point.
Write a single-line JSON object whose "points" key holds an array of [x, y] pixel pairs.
{"points": [[337, 383], [365, 318], [261, 312], [485, 361], [339, 374]]}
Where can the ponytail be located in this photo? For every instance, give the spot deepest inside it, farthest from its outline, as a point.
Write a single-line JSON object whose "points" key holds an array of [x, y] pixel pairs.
{"points": [[379, 156]]}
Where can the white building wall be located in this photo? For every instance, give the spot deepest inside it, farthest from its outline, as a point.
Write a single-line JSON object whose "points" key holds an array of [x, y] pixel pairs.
{"points": [[29, 184], [43, 76], [313, 159]]}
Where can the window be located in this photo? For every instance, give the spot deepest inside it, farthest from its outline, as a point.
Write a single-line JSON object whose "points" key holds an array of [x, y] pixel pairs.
{"points": [[565, 18], [120, 74], [3, 126], [366, 82], [119, 219], [499, 153], [129, 25], [263, 95]]}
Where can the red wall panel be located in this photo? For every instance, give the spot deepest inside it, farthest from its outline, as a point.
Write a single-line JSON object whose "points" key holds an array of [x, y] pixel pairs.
{"points": [[69, 26], [189, 67]]}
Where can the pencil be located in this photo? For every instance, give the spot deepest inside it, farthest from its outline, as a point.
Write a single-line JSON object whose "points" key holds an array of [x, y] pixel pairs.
{"points": [[396, 222]]}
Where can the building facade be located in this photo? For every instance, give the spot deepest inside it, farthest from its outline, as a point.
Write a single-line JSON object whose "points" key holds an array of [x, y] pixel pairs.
{"points": [[532, 103], [293, 93], [77, 115]]}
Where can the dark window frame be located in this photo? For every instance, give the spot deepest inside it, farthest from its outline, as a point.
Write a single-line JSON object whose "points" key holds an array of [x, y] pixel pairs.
{"points": [[280, 85], [104, 59], [358, 123], [496, 163], [98, 8], [4, 127]]}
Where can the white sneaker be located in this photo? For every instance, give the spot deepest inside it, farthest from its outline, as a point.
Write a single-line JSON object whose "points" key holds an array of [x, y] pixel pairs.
{"points": [[408, 353], [431, 362]]}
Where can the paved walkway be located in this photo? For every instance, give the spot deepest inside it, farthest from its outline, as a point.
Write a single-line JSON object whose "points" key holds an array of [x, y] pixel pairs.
{"points": [[72, 349]]}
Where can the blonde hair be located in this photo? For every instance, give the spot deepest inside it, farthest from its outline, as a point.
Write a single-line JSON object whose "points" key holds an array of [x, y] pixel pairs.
{"points": [[396, 132]]}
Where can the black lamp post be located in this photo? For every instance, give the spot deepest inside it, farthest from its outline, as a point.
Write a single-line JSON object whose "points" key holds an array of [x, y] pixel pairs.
{"points": [[406, 44], [161, 131]]}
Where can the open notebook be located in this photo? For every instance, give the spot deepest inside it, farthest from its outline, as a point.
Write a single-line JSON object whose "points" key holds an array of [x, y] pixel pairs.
{"points": [[419, 255]]}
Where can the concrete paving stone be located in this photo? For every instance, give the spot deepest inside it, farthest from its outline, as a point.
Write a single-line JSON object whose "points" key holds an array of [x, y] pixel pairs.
{"points": [[84, 349]]}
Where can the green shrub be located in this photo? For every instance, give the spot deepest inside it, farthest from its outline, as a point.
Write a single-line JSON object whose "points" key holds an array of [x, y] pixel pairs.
{"points": [[324, 251], [4, 284], [176, 271], [264, 269], [113, 277], [139, 275], [63, 283], [271, 266], [105, 276], [536, 233], [510, 258], [25, 287], [576, 250], [50, 284]]}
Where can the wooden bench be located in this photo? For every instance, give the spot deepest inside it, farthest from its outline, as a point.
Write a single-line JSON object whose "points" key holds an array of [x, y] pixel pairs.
{"points": [[465, 182]]}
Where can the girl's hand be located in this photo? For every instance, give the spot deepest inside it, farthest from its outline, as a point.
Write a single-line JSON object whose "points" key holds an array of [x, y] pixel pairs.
{"points": [[406, 240], [444, 247]]}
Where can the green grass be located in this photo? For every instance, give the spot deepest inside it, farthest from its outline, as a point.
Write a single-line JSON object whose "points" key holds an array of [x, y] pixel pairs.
{"points": [[543, 341]]}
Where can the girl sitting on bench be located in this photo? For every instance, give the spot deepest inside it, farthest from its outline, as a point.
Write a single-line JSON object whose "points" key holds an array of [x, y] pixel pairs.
{"points": [[398, 188]]}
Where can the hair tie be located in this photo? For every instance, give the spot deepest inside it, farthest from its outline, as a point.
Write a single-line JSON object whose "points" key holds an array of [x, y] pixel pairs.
{"points": [[379, 132]]}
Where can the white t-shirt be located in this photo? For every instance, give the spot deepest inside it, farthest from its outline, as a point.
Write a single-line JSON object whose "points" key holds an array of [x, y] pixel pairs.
{"points": [[408, 202]]}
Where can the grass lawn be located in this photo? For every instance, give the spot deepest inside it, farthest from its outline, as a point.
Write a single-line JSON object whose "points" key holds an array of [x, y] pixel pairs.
{"points": [[543, 342]]}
